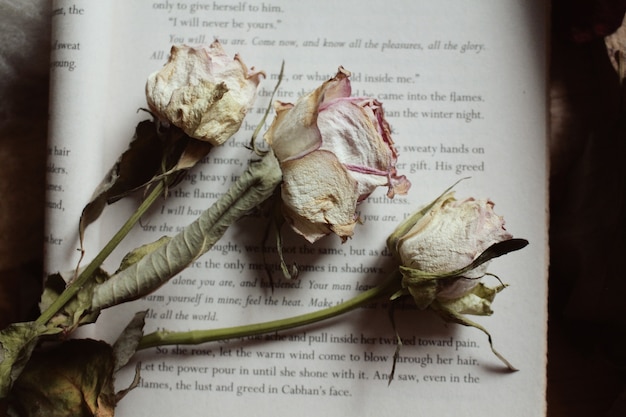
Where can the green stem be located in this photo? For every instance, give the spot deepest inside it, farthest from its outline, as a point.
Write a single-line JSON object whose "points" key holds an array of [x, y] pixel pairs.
{"points": [[75, 286], [161, 338]]}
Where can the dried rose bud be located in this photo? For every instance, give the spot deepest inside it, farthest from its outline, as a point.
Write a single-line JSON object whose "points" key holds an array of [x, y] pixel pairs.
{"points": [[439, 247], [444, 249], [451, 235], [334, 150], [203, 91]]}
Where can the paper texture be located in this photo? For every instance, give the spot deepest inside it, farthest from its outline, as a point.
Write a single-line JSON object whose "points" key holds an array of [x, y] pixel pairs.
{"points": [[463, 86]]}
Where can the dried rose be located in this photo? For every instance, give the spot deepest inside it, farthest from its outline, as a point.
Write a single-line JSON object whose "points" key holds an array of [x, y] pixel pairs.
{"points": [[444, 249], [334, 150], [203, 91]]}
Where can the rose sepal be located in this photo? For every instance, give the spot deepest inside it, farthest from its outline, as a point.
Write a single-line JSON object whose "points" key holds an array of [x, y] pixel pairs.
{"points": [[451, 316]]}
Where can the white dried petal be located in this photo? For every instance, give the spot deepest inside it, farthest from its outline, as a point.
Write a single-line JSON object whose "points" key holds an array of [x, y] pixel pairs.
{"points": [[203, 91], [450, 237], [328, 122]]}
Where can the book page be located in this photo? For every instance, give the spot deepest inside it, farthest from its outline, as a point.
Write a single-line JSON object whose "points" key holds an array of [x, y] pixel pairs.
{"points": [[463, 87], [79, 76]]}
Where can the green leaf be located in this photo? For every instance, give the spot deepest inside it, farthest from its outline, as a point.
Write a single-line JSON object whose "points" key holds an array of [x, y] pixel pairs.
{"points": [[73, 379], [253, 187], [17, 343]]}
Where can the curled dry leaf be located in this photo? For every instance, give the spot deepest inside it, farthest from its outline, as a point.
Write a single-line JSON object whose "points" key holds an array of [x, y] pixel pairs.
{"points": [[166, 258], [151, 155]]}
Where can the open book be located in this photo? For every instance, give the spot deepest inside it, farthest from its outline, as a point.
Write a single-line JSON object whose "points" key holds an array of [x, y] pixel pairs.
{"points": [[464, 88]]}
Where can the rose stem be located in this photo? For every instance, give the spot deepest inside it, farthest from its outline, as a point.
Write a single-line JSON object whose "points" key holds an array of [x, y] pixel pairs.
{"points": [[75, 286], [164, 337]]}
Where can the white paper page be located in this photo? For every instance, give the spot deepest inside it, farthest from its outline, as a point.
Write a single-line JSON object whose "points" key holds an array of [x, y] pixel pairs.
{"points": [[79, 76], [412, 56]]}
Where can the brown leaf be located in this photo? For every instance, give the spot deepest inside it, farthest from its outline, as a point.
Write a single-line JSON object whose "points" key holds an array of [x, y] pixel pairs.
{"points": [[17, 342], [154, 152], [126, 344], [135, 168], [73, 379]]}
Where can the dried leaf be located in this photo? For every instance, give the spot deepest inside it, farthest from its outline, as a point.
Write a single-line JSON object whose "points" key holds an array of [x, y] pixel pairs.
{"points": [[78, 310], [423, 293], [17, 343], [254, 186], [126, 344], [452, 316], [193, 152], [73, 379], [152, 154], [10, 286], [53, 286], [476, 302], [135, 255], [135, 167]]}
